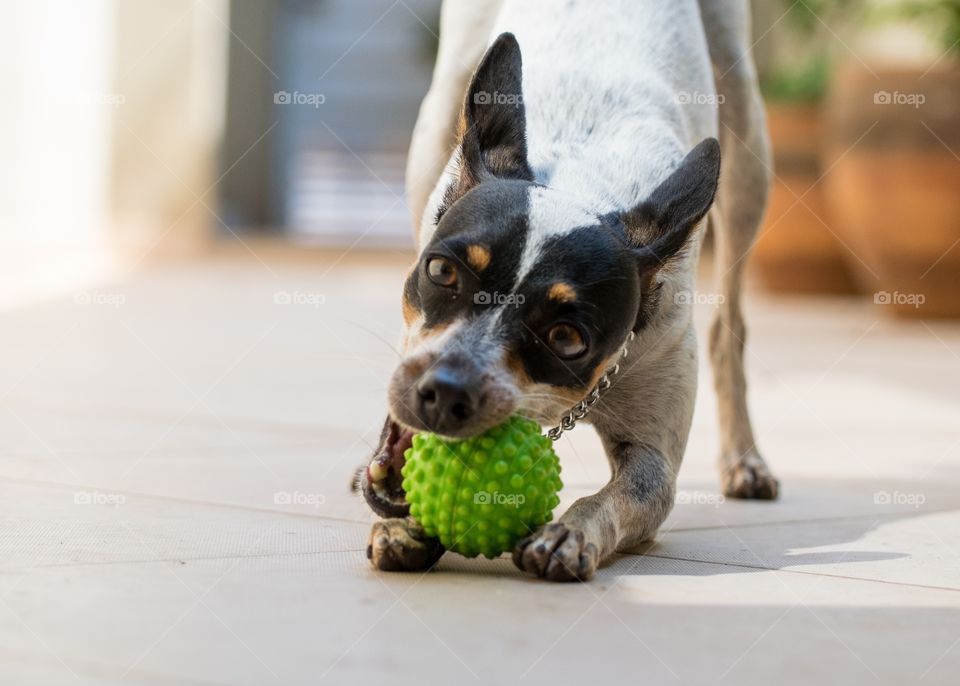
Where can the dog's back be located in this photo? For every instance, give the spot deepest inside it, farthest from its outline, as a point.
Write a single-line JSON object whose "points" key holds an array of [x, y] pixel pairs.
{"points": [[617, 90]]}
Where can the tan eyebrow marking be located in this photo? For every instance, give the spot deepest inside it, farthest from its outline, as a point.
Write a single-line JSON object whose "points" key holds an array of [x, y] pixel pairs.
{"points": [[410, 313], [478, 257], [435, 330], [562, 292]]}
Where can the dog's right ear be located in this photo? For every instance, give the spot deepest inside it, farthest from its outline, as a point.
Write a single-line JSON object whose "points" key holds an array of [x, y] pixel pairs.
{"points": [[661, 225], [659, 228], [493, 121]]}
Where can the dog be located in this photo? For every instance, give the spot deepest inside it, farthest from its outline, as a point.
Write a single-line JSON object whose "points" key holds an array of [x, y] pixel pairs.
{"points": [[565, 163]]}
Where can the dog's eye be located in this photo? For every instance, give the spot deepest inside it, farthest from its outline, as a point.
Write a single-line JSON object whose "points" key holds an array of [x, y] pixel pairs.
{"points": [[566, 341], [441, 271]]}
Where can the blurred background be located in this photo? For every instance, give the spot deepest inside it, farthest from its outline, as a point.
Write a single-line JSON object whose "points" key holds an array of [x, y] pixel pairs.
{"points": [[147, 131]]}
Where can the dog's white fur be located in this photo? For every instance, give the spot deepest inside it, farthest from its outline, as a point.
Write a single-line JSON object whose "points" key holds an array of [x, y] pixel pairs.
{"points": [[604, 85]]}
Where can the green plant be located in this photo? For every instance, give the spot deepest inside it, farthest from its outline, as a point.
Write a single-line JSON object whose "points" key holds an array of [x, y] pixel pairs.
{"points": [[941, 16], [808, 16], [803, 83], [800, 68]]}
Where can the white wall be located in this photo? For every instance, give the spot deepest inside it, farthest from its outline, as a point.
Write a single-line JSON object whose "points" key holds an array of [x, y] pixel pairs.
{"points": [[109, 126], [55, 141], [171, 64]]}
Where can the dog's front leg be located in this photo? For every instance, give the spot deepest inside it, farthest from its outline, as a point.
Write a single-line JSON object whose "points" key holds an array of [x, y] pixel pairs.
{"points": [[644, 423], [627, 511]]}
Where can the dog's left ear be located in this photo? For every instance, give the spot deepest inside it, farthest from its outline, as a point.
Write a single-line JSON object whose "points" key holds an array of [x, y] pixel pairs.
{"points": [[493, 121], [661, 225]]}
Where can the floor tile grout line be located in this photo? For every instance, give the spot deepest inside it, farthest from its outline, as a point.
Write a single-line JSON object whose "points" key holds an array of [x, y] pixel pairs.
{"points": [[158, 415], [257, 425], [361, 549], [347, 520], [844, 577], [174, 560], [187, 501], [817, 520], [96, 669]]}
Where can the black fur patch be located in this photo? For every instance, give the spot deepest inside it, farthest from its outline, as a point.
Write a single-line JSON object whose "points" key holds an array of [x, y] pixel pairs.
{"points": [[598, 263], [495, 214], [611, 265], [661, 225], [494, 119]]}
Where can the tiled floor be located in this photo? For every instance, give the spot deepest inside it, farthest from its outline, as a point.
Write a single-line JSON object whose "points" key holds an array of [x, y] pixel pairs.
{"points": [[176, 450]]}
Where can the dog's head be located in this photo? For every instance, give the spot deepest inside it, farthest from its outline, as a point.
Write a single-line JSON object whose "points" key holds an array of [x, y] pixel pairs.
{"points": [[523, 297]]}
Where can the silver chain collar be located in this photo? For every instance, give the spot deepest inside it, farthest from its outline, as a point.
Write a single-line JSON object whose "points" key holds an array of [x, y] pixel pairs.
{"points": [[582, 408]]}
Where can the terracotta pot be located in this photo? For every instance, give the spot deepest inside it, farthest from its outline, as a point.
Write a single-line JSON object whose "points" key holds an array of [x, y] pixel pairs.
{"points": [[796, 250], [894, 186]]}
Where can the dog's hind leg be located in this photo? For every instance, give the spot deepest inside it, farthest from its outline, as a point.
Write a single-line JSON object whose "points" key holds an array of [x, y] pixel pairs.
{"points": [[465, 28], [741, 201]]}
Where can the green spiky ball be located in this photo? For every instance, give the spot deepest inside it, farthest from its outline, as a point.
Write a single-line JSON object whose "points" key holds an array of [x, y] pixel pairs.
{"points": [[481, 495]]}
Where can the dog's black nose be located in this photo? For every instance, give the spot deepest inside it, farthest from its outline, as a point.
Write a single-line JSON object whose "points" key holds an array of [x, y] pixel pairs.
{"points": [[444, 400]]}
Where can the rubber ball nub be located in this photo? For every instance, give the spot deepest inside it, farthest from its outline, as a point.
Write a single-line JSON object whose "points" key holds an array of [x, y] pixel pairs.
{"points": [[481, 495]]}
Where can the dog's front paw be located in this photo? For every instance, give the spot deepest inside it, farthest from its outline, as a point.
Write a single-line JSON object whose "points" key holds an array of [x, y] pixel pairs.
{"points": [[558, 553], [401, 545], [748, 476]]}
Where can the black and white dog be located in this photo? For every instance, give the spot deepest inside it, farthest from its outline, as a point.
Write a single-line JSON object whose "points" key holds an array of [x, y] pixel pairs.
{"points": [[561, 205]]}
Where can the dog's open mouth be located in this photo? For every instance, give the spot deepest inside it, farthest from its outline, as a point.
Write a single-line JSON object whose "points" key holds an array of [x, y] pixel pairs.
{"points": [[383, 485]]}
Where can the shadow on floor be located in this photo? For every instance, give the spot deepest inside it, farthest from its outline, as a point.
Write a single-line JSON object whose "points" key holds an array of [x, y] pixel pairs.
{"points": [[771, 536]]}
